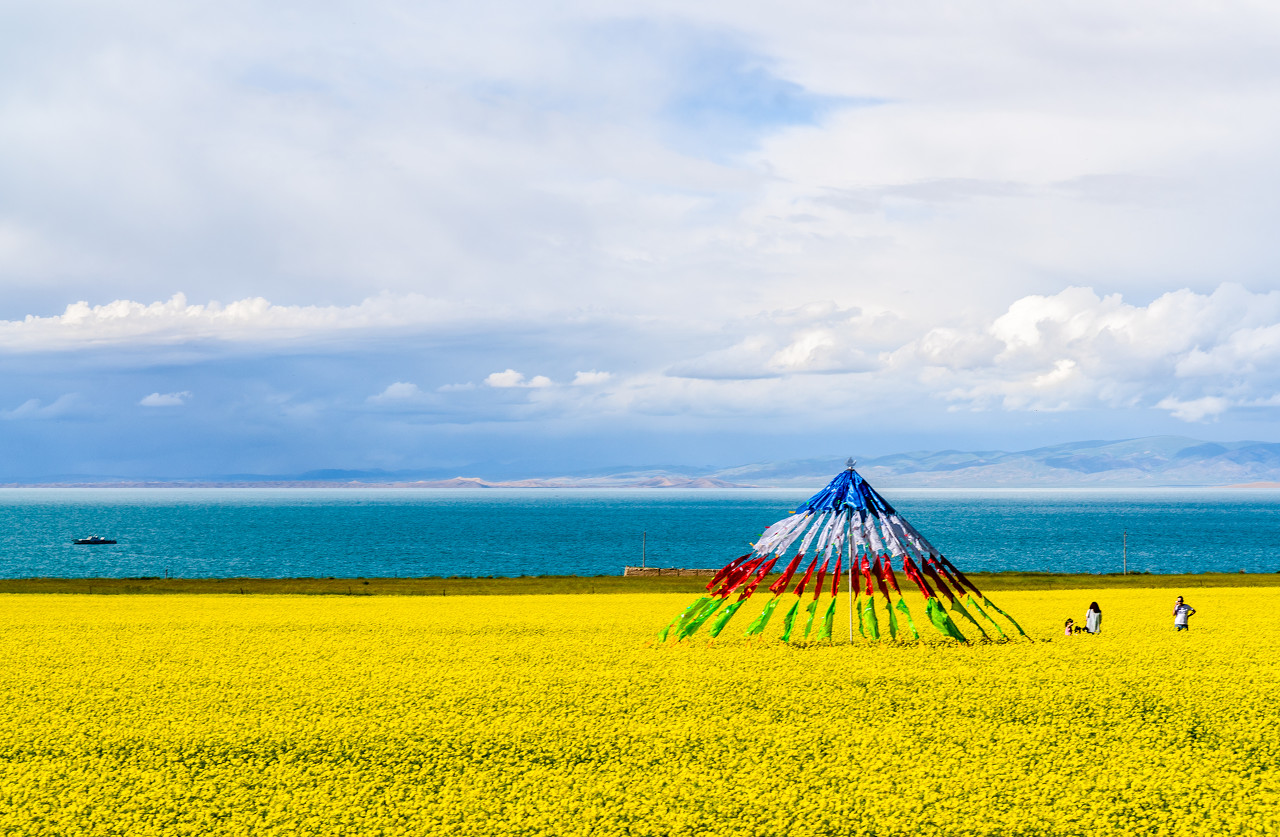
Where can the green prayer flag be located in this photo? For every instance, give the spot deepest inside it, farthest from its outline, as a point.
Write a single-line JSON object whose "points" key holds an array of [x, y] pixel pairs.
{"points": [[869, 621], [992, 605], [942, 621], [757, 625], [956, 607], [723, 618], [697, 622], [692, 611], [986, 616], [789, 621], [813, 611], [681, 620], [911, 623], [827, 621]]}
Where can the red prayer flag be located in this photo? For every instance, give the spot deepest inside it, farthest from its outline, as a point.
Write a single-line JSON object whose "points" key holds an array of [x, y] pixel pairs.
{"points": [[886, 568], [808, 574], [738, 576], [938, 582], [751, 588], [726, 569], [781, 584], [960, 575], [943, 572], [822, 573], [884, 589], [913, 573]]}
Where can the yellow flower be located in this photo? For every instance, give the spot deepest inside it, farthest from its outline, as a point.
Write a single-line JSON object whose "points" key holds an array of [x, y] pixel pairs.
{"points": [[560, 715]]}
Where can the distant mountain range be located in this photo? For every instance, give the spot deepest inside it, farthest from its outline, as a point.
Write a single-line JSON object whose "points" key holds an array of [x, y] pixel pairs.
{"points": [[1147, 462], [1152, 461]]}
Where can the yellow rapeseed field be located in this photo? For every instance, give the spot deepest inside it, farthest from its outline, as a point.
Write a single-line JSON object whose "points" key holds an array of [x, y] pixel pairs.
{"points": [[136, 715]]}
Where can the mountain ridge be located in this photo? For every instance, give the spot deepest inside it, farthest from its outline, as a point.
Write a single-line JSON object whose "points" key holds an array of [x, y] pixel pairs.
{"points": [[1150, 461]]}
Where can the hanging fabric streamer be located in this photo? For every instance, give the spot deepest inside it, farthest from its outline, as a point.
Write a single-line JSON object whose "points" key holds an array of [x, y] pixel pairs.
{"points": [[789, 621], [930, 569], [870, 625], [886, 571], [846, 518], [828, 621], [888, 602]]}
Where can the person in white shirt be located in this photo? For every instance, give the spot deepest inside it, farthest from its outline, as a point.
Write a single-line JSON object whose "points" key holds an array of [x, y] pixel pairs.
{"points": [[1181, 612], [1093, 619]]}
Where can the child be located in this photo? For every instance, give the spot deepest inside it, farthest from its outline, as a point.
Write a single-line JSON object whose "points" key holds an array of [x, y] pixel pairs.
{"points": [[1070, 627]]}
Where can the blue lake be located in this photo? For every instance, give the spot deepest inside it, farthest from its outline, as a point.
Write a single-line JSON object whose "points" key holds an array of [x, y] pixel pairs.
{"points": [[193, 532]]}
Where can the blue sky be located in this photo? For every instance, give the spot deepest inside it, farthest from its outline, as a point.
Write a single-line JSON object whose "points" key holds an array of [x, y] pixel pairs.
{"points": [[268, 238]]}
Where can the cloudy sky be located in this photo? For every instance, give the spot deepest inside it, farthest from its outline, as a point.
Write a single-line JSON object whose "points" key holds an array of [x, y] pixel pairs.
{"points": [[249, 237]]}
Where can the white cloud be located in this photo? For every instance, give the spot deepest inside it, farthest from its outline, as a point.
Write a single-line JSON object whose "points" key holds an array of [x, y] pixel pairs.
{"points": [[511, 378], [592, 378], [992, 165], [398, 393], [34, 408], [1197, 410], [175, 321], [1196, 355], [514, 209], [746, 359], [819, 338], [167, 399], [503, 380]]}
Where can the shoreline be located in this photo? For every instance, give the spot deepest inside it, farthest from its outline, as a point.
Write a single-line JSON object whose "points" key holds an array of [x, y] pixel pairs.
{"points": [[553, 585]]}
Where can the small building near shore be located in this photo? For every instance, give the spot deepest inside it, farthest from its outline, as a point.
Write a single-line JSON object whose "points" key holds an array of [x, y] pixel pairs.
{"points": [[656, 571]]}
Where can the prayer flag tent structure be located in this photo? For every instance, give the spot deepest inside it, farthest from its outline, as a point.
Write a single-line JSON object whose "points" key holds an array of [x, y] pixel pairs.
{"points": [[846, 527]]}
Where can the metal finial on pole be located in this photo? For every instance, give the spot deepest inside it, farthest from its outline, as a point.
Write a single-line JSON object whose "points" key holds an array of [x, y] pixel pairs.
{"points": [[849, 463]]}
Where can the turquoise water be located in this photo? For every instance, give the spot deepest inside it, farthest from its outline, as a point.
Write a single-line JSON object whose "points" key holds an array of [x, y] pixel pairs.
{"points": [[320, 532]]}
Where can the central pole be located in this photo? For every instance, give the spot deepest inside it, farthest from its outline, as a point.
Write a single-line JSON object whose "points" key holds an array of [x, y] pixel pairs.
{"points": [[644, 540], [849, 530], [1126, 553]]}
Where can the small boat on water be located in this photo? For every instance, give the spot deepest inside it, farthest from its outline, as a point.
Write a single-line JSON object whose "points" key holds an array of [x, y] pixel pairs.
{"points": [[93, 540]]}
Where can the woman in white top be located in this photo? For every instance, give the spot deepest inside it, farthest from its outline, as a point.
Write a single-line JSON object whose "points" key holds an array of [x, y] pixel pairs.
{"points": [[1093, 619]]}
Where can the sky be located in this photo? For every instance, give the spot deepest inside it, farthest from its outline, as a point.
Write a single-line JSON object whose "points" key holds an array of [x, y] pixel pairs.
{"points": [[530, 238]]}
